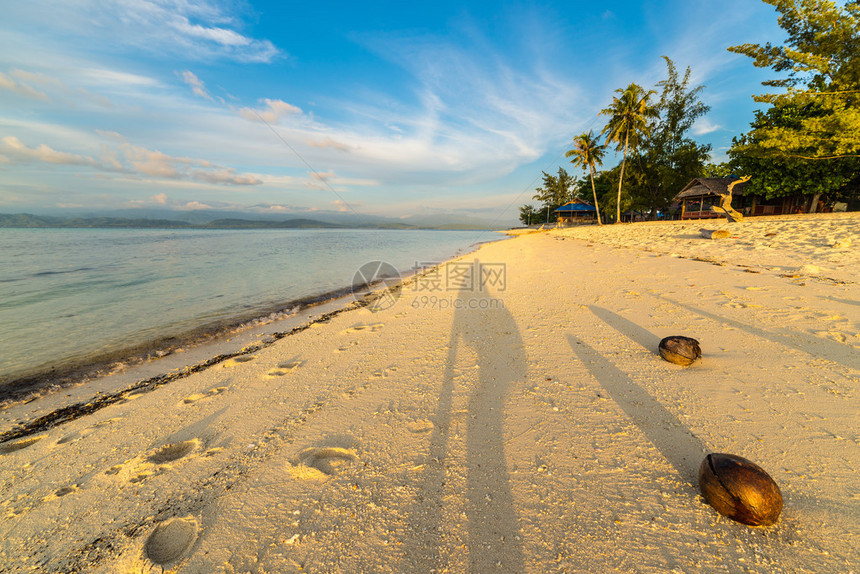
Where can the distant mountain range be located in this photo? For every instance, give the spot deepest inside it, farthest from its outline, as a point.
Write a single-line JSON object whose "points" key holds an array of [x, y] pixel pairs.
{"points": [[171, 220]]}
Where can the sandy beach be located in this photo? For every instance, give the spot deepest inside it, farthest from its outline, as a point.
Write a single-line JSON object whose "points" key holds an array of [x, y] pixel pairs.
{"points": [[507, 412]]}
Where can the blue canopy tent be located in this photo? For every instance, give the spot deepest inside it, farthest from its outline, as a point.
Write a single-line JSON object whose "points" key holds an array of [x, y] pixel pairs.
{"points": [[576, 210]]}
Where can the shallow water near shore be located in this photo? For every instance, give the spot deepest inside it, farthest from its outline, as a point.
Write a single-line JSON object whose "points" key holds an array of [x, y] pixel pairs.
{"points": [[71, 297]]}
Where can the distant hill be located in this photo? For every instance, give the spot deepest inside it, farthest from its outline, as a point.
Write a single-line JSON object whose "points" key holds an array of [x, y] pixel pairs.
{"points": [[29, 220], [233, 220], [250, 224]]}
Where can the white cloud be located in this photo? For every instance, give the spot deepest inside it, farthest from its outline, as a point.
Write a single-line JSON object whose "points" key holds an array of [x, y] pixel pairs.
{"points": [[271, 113], [14, 149], [107, 77], [128, 159], [329, 143], [196, 84], [705, 126], [20, 88], [192, 205], [342, 206], [199, 29]]}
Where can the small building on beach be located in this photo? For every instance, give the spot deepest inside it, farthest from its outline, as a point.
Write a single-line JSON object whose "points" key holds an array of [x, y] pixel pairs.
{"points": [[696, 199], [576, 211], [700, 194]]}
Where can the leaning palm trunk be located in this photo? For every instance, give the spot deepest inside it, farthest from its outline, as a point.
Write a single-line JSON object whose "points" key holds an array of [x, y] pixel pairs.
{"points": [[594, 191], [621, 179]]}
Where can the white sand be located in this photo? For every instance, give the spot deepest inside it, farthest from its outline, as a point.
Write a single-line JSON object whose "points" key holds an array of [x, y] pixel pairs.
{"points": [[534, 429]]}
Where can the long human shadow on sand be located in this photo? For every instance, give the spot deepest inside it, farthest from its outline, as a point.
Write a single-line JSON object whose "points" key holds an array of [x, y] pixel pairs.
{"points": [[815, 346], [667, 433], [482, 324]]}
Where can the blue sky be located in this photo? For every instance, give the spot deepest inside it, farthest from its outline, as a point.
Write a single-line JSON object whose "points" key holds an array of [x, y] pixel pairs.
{"points": [[381, 107]]}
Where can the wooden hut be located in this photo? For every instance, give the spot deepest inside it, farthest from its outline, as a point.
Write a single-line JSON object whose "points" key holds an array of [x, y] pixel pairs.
{"points": [[576, 211], [700, 194]]}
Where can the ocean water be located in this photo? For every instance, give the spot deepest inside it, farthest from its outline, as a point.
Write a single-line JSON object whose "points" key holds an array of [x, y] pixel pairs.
{"points": [[72, 297]]}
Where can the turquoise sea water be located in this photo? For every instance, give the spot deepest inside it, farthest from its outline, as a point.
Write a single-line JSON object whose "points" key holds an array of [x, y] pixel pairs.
{"points": [[69, 297]]}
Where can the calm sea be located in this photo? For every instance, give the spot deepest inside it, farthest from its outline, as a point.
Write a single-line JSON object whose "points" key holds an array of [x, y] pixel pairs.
{"points": [[70, 297]]}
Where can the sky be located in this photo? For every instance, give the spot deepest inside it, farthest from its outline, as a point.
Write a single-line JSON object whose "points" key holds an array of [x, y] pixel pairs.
{"points": [[384, 108]]}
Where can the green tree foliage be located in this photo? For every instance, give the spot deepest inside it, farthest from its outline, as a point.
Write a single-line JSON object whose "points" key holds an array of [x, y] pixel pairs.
{"points": [[723, 169], [588, 153], [529, 215], [555, 191], [821, 57], [628, 123], [667, 159], [782, 176]]}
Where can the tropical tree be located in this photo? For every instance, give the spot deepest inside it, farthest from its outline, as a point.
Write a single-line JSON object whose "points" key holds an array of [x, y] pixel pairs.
{"points": [[822, 59], [527, 212], [787, 175], [629, 117], [555, 191], [586, 153], [667, 157]]}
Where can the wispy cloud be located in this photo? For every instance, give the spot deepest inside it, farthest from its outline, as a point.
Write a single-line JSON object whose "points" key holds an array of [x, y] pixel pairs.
{"points": [[128, 159], [20, 88], [271, 113], [15, 151], [329, 143], [705, 126], [197, 85]]}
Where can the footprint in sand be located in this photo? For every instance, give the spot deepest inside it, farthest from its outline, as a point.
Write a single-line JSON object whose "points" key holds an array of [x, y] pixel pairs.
{"points": [[347, 346], [285, 368], [171, 540], [384, 372], [420, 426], [78, 435], [18, 445], [371, 327], [142, 467], [175, 451], [230, 363], [322, 462], [60, 492], [197, 396]]}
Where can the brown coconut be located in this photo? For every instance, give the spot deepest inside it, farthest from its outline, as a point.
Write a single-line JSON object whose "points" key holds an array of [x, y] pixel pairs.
{"points": [[740, 489], [680, 350]]}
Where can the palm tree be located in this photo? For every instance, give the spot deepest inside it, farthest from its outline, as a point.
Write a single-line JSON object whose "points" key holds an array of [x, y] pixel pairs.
{"points": [[586, 153], [628, 121]]}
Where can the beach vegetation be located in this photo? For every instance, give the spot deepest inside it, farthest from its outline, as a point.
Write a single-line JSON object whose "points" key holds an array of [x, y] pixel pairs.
{"points": [[528, 214], [821, 60], [629, 122], [722, 169], [587, 153], [667, 158], [807, 142], [785, 175], [555, 191]]}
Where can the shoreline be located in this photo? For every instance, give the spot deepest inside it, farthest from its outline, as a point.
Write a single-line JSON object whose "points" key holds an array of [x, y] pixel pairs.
{"points": [[524, 425], [48, 378]]}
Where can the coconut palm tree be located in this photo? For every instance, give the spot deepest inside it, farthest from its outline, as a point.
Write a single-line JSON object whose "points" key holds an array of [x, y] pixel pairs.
{"points": [[628, 122], [586, 153]]}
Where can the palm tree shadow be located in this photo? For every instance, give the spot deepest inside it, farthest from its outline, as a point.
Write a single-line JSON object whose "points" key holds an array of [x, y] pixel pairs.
{"points": [[482, 324], [667, 433], [631, 330], [815, 346]]}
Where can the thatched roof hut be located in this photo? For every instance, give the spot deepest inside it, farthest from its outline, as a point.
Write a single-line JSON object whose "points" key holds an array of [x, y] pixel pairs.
{"points": [[703, 192]]}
